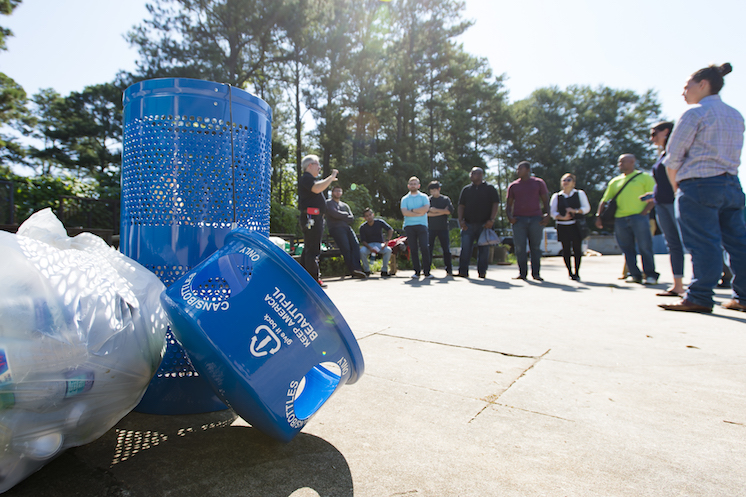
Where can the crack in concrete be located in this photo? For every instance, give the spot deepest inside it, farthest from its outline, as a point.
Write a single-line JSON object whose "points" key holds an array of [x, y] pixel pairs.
{"points": [[506, 354], [492, 400], [536, 412]]}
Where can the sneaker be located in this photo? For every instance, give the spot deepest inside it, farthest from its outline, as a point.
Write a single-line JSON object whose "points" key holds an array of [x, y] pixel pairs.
{"points": [[632, 279], [429, 276], [367, 273], [384, 274], [415, 275], [651, 280], [321, 283], [359, 274]]}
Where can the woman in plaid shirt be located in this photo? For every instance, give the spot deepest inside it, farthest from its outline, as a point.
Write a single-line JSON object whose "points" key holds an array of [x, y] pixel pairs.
{"points": [[704, 152]]}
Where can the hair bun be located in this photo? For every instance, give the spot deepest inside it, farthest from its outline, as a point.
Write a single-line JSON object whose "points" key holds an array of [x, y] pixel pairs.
{"points": [[725, 69]]}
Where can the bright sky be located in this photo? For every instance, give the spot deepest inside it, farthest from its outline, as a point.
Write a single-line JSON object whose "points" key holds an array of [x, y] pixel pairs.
{"points": [[635, 44]]}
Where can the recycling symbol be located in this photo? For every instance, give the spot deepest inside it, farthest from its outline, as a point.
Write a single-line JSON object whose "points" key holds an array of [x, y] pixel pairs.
{"points": [[264, 342]]}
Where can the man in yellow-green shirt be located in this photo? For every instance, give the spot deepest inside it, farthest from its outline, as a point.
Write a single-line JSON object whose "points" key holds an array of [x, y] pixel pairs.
{"points": [[631, 225]]}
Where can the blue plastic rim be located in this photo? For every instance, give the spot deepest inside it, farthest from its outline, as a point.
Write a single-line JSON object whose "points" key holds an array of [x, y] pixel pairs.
{"points": [[196, 162], [259, 328]]}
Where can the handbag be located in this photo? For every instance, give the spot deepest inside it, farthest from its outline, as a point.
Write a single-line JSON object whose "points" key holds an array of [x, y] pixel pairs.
{"points": [[608, 214], [488, 237], [583, 230]]}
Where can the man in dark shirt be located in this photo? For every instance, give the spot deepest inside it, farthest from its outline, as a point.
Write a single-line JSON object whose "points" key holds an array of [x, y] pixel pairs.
{"points": [[312, 206], [477, 208], [372, 241], [338, 219], [437, 223]]}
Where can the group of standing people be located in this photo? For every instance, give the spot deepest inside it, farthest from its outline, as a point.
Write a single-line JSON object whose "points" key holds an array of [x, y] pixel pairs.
{"points": [[698, 199], [694, 188]]}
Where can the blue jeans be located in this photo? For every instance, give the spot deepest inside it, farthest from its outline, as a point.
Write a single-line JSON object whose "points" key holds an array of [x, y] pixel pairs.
{"points": [[469, 237], [710, 214], [528, 228], [347, 242], [666, 216], [441, 235], [631, 230], [384, 250], [417, 241]]}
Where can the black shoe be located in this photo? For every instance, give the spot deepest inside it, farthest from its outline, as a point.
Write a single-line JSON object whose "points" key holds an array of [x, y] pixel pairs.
{"points": [[461, 275], [483, 275], [520, 277], [576, 277], [384, 274], [359, 274], [367, 273], [537, 278]]}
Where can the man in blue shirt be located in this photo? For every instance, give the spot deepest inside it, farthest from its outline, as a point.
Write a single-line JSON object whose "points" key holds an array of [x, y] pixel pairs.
{"points": [[414, 207]]}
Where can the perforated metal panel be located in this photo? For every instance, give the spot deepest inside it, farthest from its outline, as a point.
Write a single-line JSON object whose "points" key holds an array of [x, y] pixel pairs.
{"points": [[196, 162]]}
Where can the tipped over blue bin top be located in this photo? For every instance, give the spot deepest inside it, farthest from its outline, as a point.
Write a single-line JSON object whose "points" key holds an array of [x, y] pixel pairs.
{"points": [[263, 333]]}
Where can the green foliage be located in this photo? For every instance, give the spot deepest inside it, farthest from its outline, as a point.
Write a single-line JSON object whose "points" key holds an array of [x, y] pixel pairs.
{"points": [[231, 41], [13, 112], [6, 8], [34, 194], [332, 266], [388, 86], [358, 199], [454, 237], [284, 219]]}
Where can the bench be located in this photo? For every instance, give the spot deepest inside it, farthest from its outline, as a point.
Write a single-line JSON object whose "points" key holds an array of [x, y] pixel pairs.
{"points": [[331, 251]]}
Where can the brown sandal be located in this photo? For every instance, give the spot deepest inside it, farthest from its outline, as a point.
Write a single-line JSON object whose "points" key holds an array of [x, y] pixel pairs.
{"points": [[668, 293]]}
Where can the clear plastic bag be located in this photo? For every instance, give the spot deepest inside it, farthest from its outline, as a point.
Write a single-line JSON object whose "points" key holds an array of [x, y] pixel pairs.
{"points": [[81, 335]]}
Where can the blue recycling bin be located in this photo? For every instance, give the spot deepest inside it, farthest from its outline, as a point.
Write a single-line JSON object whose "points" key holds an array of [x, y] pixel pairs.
{"points": [[259, 328], [196, 162]]}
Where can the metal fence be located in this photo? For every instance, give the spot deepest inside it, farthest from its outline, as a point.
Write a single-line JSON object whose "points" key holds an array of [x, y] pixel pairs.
{"points": [[7, 204], [89, 213]]}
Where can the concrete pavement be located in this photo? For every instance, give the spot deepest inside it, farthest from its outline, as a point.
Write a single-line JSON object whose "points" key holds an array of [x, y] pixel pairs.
{"points": [[472, 388]]}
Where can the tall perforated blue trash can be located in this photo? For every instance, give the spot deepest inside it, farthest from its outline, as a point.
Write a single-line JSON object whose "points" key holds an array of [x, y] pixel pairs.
{"points": [[196, 162]]}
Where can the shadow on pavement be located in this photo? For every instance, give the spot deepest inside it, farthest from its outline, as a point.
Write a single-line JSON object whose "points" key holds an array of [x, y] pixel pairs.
{"points": [[204, 454]]}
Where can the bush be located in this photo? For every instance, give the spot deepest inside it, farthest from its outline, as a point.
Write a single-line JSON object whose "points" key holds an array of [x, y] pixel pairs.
{"points": [[284, 219], [332, 266]]}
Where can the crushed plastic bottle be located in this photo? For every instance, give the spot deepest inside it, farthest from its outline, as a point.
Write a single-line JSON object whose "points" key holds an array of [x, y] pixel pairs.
{"points": [[81, 335]]}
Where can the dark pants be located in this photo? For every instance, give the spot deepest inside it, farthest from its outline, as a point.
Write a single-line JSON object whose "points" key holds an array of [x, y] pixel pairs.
{"points": [[710, 214], [633, 233], [313, 228], [469, 237], [528, 229], [441, 235], [417, 241], [347, 242], [569, 236]]}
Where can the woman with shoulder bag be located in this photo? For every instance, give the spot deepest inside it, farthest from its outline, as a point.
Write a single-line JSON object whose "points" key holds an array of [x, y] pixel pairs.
{"points": [[568, 207], [663, 197]]}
